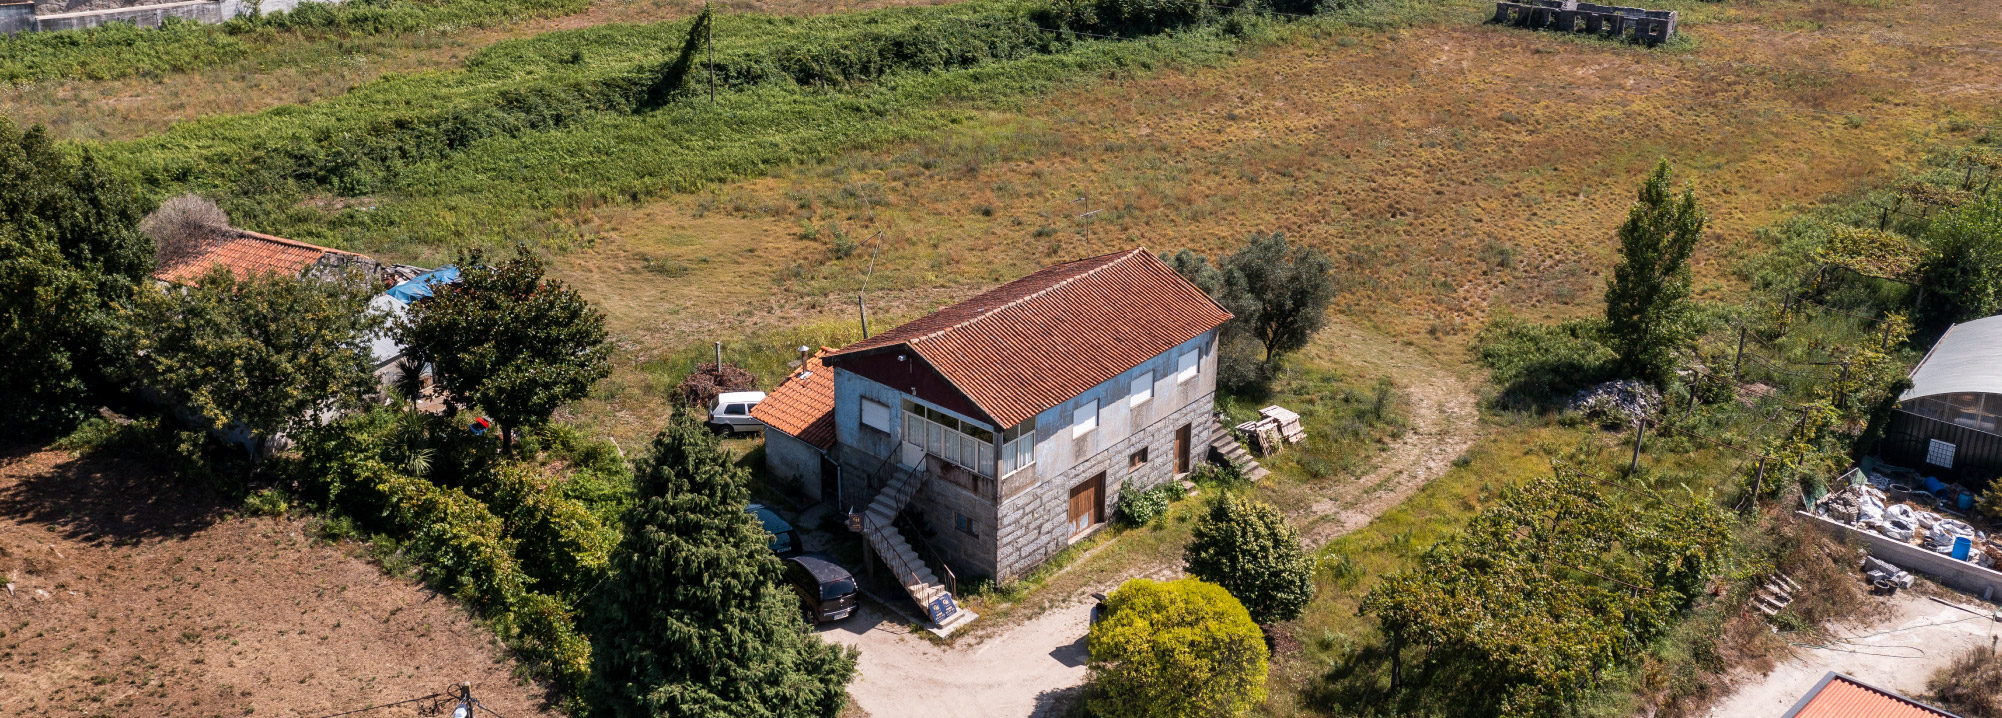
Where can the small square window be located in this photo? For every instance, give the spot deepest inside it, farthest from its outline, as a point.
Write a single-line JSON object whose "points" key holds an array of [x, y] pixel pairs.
{"points": [[1086, 418], [1138, 458], [965, 524], [1940, 453]]}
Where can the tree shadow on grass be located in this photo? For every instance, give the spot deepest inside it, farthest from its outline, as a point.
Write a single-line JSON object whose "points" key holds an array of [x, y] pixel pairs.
{"points": [[1441, 685], [103, 496]]}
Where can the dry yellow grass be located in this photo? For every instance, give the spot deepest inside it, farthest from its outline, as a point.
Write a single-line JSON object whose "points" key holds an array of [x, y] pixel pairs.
{"points": [[1453, 168]]}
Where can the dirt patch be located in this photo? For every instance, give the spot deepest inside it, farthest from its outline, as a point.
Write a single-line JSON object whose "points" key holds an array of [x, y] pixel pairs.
{"points": [[134, 595]]}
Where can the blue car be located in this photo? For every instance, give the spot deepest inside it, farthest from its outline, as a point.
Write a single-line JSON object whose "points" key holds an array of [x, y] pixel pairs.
{"points": [[785, 540]]}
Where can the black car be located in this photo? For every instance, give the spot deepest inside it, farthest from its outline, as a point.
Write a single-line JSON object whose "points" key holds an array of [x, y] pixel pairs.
{"points": [[824, 587]]}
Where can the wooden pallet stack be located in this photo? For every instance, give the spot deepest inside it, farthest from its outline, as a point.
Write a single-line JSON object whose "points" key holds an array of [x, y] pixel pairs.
{"points": [[1273, 430]]}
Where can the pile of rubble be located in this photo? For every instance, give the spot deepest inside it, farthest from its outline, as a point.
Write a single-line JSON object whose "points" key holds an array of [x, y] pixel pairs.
{"points": [[1868, 508], [1624, 401]]}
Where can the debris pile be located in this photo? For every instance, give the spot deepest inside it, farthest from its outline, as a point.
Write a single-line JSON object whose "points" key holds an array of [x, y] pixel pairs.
{"points": [[1911, 519], [1624, 401], [1883, 575]]}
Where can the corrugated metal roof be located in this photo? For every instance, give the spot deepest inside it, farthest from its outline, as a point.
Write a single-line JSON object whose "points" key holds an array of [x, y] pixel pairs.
{"points": [[803, 405], [1968, 358], [245, 253], [1840, 696], [1038, 341]]}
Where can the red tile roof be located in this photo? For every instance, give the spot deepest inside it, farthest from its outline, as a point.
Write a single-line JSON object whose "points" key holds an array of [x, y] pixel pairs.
{"points": [[1033, 343], [803, 405], [245, 253], [1840, 696]]}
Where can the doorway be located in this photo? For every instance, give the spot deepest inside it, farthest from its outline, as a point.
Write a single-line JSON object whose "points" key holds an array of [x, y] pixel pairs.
{"points": [[1182, 436], [1087, 504]]}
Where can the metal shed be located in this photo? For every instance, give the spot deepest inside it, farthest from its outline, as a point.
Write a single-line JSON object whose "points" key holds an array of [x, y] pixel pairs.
{"points": [[1949, 424]]}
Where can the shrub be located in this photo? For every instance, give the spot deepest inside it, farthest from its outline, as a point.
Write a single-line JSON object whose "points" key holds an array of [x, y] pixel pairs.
{"points": [[1138, 507], [1539, 366], [1180, 648], [182, 226], [1971, 685], [1247, 547]]}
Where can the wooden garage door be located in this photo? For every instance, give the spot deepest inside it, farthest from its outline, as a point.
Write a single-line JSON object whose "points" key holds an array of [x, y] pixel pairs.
{"points": [[1087, 504]]}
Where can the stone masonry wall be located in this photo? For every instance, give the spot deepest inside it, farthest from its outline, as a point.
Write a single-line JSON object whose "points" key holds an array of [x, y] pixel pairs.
{"points": [[971, 555], [1036, 522]]}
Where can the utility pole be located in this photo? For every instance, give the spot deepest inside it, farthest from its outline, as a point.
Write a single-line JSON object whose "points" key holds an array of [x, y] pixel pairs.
{"points": [[861, 298], [1087, 221], [719, 356]]}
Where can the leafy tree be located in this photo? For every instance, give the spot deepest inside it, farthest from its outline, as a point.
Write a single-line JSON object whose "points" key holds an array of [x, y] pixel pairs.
{"points": [[1962, 266], [510, 341], [1179, 648], [1247, 547], [1549, 587], [1277, 295], [693, 620], [1291, 287], [1648, 307], [69, 256], [268, 353]]}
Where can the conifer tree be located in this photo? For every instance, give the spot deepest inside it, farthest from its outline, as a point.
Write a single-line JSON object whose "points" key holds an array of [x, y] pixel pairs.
{"points": [[693, 620], [1648, 308]]}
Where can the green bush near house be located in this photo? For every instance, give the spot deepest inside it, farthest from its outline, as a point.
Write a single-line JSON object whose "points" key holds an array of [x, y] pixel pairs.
{"points": [[1246, 546], [1139, 507], [1179, 648]]}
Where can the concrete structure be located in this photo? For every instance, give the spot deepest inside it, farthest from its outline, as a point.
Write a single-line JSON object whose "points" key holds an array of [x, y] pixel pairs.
{"points": [[1950, 422], [22, 17], [1944, 570], [1652, 27], [799, 430], [1002, 429]]}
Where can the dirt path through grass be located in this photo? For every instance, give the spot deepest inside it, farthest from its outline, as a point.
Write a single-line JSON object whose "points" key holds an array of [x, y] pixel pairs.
{"points": [[132, 595]]}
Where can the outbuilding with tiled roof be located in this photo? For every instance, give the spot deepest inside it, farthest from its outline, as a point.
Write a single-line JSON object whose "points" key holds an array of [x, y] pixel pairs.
{"points": [[798, 416], [1842, 696]]}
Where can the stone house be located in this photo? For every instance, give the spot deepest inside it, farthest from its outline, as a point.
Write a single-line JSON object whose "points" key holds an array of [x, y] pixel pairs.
{"points": [[1004, 427]]}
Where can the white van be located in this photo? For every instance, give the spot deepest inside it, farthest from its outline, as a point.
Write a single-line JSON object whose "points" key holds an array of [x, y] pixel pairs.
{"points": [[732, 412]]}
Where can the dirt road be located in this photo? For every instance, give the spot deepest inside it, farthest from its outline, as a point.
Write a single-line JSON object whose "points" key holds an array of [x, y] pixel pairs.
{"points": [[1898, 653], [133, 595], [1034, 668]]}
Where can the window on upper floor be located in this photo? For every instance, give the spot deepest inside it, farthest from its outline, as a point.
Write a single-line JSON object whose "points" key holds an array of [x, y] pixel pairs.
{"points": [[1143, 389], [946, 437], [1018, 447], [1085, 418], [1188, 365], [875, 415]]}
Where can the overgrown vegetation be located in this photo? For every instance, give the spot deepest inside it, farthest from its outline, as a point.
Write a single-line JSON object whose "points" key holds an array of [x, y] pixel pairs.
{"points": [[117, 50], [1972, 685], [71, 257]]}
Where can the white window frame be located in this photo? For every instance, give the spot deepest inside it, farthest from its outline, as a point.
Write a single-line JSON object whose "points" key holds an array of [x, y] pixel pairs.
{"points": [[1188, 365], [881, 412], [1020, 452], [1085, 418], [1143, 389], [950, 444]]}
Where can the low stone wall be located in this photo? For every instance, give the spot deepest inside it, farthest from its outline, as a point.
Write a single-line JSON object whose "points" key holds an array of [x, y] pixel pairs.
{"points": [[1944, 570], [1652, 27], [21, 17]]}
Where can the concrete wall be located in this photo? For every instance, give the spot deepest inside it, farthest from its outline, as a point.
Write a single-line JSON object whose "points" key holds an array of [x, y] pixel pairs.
{"points": [[1944, 570], [793, 461], [12, 20]]}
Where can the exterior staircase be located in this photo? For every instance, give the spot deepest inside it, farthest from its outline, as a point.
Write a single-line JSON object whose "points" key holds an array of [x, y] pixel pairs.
{"points": [[1227, 448], [878, 528]]}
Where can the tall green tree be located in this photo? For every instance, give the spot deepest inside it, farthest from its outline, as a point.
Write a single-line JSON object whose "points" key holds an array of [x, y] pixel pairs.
{"points": [[267, 353], [1291, 286], [1648, 307], [1179, 648], [1247, 547], [1962, 265], [1277, 295], [70, 256], [509, 340], [692, 621]]}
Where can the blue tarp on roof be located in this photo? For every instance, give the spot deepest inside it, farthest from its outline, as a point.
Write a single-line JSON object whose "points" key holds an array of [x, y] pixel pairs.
{"points": [[420, 286]]}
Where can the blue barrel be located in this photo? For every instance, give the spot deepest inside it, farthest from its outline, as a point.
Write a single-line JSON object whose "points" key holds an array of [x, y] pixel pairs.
{"points": [[1933, 484], [1966, 501], [1961, 546]]}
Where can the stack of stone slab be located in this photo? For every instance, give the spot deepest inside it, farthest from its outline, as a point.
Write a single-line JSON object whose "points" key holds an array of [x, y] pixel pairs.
{"points": [[1652, 27]]}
